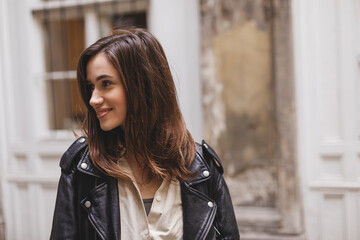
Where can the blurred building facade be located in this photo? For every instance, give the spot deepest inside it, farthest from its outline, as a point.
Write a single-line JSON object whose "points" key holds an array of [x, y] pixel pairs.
{"points": [[272, 85]]}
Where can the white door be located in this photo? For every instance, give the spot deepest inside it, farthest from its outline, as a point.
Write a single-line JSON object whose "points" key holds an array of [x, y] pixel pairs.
{"points": [[327, 71]]}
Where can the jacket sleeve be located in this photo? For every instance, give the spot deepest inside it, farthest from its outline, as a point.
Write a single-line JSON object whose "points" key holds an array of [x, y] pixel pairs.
{"points": [[64, 224], [225, 220]]}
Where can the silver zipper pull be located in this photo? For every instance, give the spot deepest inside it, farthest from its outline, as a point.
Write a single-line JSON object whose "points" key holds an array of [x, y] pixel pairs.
{"points": [[217, 232]]}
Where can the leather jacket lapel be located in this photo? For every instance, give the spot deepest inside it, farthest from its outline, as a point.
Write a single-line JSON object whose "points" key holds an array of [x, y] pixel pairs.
{"points": [[85, 165], [102, 202], [198, 209], [102, 206], [198, 213]]}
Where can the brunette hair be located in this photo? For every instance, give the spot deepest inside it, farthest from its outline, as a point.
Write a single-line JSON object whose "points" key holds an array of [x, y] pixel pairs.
{"points": [[154, 129]]}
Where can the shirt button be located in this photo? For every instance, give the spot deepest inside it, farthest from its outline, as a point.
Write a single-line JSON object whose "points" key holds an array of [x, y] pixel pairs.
{"points": [[84, 165], [206, 173], [210, 204], [146, 232], [87, 204], [158, 198], [81, 140]]}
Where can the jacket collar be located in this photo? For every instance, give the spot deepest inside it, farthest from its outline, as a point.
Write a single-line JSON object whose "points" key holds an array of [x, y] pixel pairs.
{"points": [[198, 166], [86, 165], [201, 168]]}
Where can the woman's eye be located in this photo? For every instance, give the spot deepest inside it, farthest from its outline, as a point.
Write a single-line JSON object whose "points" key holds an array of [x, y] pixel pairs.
{"points": [[91, 87], [106, 83]]}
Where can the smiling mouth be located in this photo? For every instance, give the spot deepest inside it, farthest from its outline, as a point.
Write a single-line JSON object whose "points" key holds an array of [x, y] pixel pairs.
{"points": [[103, 112]]}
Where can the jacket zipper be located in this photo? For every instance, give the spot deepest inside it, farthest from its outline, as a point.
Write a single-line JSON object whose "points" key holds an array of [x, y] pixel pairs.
{"points": [[208, 229], [218, 234]]}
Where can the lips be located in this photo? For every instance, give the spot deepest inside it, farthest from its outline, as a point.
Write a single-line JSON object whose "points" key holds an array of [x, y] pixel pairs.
{"points": [[102, 112]]}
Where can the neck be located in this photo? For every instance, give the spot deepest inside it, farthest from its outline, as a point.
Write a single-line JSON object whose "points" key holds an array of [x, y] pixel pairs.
{"points": [[146, 181], [141, 173]]}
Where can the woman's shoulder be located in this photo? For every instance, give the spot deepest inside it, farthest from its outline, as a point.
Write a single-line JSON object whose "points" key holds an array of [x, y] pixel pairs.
{"points": [[72, 153], [207, 154]]}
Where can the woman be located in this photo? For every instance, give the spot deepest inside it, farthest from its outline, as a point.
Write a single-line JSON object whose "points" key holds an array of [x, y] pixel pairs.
{"points": [[138, 173]]}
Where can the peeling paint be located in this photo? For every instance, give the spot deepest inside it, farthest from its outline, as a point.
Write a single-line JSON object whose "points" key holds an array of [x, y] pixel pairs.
{"points": [[248, 90], [255, 187], [243, 65], [239, 101], [215, 113]]}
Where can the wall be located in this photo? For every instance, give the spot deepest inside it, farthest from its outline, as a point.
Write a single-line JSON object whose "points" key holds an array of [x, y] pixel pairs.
{"points": [[239, 40], [249, 111]]}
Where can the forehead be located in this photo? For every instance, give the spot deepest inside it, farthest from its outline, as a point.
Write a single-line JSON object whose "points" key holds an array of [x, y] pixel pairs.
{"points": [[99, 65]]}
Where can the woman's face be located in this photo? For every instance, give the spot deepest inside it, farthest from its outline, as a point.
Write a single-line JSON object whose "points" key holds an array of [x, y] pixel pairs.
{"points": [[108, 94]]}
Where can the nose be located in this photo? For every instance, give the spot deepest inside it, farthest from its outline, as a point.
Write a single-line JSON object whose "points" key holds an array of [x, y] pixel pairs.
{"points": [[96, 99]]}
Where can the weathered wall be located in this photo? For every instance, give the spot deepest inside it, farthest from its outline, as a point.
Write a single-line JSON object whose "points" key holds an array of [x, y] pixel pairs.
{"points": [[249, 112], [239, 96]]}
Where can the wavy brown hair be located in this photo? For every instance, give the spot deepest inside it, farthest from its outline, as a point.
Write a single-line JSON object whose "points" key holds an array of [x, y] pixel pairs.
{"points": [[154, 129]]}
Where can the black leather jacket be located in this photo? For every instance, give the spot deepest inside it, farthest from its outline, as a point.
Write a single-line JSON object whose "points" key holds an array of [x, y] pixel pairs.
{"points": [[87, 204]]}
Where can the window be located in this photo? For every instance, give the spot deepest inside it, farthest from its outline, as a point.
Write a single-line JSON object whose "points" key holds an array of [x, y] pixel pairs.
{"points": [[64, 40], [68, 27]]}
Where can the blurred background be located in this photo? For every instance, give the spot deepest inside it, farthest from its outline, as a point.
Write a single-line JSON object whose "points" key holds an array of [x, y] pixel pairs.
{"points": [[272, 85]]}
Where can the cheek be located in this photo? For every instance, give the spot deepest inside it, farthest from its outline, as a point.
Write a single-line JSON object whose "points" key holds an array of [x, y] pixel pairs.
{"points": [[118, 98], [120, 102]]}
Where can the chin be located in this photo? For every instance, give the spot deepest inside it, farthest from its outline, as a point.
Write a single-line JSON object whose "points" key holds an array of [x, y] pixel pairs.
{"points": [[106, 129], [109, 127]]}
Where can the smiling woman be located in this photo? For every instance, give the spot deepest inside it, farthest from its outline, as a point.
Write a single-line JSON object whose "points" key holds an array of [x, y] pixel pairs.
{"points": [[108, 95], [136, 149]]}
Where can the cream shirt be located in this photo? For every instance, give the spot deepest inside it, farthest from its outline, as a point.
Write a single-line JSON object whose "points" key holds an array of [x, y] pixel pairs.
{"points": [[165, 219]]}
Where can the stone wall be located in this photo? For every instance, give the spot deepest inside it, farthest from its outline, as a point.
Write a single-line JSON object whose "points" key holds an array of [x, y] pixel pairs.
{"points": [[249, 110]]}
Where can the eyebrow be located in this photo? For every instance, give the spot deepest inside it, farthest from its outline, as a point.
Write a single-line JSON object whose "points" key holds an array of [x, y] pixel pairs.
{"points": [[100, 77], [103, 76]]}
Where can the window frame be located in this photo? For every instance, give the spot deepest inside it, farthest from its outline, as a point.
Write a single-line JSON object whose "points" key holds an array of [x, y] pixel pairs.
{"points": [[93, 12]]}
